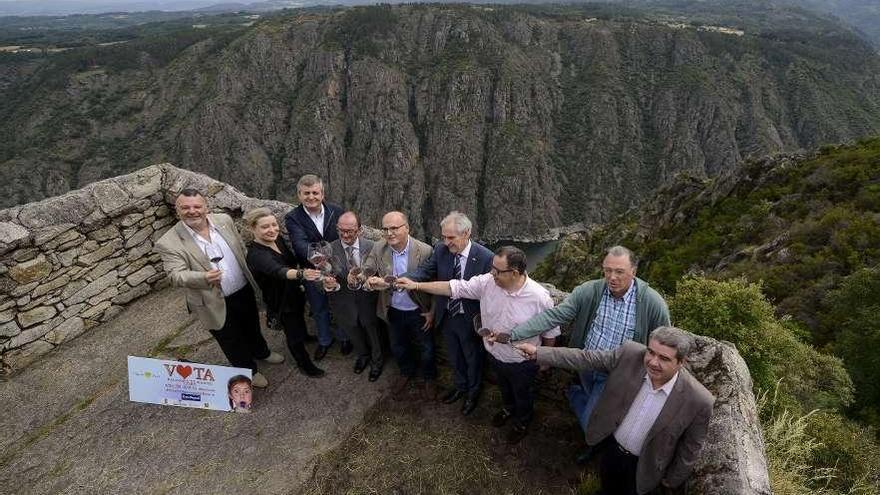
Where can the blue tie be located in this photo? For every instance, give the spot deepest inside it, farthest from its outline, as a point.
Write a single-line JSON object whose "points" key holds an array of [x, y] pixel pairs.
{"points": [[454, 305]]}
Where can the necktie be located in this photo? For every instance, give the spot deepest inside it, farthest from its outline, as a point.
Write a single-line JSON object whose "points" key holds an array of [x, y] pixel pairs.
{"points": [[349, 253], [454, 305]]}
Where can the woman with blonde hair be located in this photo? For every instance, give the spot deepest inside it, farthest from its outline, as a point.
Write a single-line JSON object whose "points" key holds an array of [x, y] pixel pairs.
{"points": [[280, 276]]}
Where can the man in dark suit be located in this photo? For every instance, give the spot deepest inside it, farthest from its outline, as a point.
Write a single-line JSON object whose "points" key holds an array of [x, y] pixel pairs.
{"points": [[354, 309], [456, 257], [315, 221], [652, 418], [204, 254]]}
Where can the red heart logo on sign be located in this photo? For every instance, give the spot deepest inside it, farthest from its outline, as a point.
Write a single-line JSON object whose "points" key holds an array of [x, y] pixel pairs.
{"points": [[184, 371]]}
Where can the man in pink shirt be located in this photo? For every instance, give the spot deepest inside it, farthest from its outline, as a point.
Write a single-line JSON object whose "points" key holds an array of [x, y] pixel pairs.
{"points": [[507, 298]]}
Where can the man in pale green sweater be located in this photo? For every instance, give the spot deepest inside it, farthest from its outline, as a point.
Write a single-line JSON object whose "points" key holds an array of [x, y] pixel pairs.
{"points": [[606, 313]]}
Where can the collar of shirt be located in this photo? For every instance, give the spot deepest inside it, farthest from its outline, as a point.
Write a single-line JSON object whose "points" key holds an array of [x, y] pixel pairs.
{"points": [[626, 297], [666, 388], [402, 252], [196, 236], [316, 216], [519, 291], [466, 251], [356, 244]]}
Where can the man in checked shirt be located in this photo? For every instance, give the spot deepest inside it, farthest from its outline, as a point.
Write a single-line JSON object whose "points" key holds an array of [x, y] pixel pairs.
{"points": [[606, 313]]}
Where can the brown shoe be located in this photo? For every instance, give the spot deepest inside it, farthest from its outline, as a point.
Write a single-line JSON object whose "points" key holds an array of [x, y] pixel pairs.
{"points": [[399, 387], [430, 391]]}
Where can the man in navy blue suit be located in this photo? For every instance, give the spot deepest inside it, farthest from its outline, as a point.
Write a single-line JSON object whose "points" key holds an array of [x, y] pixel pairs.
{"points": [[314, 221], [457, 257]]}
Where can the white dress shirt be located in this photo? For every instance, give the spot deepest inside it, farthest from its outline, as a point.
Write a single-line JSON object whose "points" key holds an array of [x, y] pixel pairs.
{"points": [[317, 218], [642, 414], [233, 278]]}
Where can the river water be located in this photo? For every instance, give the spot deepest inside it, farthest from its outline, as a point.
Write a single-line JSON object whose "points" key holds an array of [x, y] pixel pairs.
{"points": [[535, 251]]}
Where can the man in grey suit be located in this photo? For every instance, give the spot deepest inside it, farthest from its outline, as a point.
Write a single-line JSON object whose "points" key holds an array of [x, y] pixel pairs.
{"points": [[408, 314], [651, 420], [355, 310], [204, 254]]}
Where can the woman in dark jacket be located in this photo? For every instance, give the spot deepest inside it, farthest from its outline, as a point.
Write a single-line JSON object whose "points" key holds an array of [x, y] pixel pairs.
{"points": [[280, 276]]}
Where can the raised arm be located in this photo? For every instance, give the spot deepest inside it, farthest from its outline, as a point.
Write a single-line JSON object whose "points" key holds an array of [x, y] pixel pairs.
{"points": [[560, 315], [427, 271], [577, 359], [440, 288]]}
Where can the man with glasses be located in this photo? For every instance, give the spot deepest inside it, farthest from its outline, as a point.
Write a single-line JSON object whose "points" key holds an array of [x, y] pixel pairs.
{"points": [[507, 297], [456, 257], [409, 315], [313, 220], [354, 309], [606, 313]]}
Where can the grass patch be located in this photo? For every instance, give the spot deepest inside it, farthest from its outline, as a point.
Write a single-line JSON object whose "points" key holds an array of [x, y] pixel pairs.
{"points": [[421, 447]]}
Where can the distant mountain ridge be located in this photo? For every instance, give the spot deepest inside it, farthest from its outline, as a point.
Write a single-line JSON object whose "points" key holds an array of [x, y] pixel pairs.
{"points": [[527, 118]]}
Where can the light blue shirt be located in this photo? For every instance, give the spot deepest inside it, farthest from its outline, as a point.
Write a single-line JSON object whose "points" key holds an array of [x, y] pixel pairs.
{"points": [[400, 299]]}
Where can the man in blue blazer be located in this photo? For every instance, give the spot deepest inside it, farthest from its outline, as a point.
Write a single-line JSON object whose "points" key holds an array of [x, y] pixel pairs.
{"points": [[315, 221], [457, 257]]}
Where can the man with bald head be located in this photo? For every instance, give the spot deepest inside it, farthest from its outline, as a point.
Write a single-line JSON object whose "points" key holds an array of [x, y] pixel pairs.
{"points": [[354, 309], [408, 314]]}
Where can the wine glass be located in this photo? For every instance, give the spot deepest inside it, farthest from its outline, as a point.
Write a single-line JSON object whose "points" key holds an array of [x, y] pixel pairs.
{"points": [[214, 255], [317, 253], [366, 273], [355, 273], [390, 278]]}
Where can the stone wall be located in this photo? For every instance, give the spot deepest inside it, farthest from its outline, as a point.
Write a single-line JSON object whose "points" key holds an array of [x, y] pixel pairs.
{"points": [[71, 262]]}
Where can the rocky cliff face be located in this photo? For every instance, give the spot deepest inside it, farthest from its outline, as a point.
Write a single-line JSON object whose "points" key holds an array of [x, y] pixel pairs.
{"points": [[525, 119]]}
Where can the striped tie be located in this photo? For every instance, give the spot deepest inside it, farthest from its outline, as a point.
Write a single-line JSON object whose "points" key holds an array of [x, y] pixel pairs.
{"points": [[454, 305], [349, 252]]}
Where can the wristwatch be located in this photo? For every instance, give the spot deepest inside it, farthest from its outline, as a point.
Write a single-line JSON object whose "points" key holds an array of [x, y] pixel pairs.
{"points": [[299, 274]]}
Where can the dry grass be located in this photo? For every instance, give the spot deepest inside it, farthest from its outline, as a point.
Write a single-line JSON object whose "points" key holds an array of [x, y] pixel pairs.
{"points": [[419, 447]]}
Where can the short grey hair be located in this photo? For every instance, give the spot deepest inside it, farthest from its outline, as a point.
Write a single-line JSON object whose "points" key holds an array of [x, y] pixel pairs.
{"points": [[674, 337], [309, 180], [458, 220], [623, 251]]}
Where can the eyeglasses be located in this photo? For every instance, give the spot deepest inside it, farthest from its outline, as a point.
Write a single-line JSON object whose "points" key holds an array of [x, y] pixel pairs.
{"points": [[393, 229], [347, 231], [498, 271]]}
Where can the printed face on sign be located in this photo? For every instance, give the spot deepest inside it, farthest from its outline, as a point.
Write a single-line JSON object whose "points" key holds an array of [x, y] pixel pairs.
{"points": [[240, 394]]}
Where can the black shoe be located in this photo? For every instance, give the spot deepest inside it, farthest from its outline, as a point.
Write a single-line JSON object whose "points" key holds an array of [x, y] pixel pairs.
{"points": [[375, 371], [501, 418], [516, 433], [469, 405], [452, 396], [584, 456], [346, 347], [312, 371], [360, 364], [321, 351]]}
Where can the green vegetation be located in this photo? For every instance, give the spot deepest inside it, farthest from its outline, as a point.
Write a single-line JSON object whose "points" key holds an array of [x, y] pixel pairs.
{"points": [[781, 259]]}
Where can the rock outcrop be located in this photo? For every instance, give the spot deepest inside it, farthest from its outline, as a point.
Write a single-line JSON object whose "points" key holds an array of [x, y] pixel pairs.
{"points": [[525, 118]]}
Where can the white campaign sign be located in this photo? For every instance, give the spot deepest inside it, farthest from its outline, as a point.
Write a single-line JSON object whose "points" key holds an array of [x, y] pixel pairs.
{"points": [[176, 383]]}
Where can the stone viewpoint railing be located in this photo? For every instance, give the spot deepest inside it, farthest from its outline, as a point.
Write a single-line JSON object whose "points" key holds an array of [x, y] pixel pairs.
{"points": [[70, 262]]}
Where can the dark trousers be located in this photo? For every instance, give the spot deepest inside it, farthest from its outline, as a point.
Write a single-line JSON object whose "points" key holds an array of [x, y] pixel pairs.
{"points": [[320, 307], [364, 335], [412, 347], [294, 324], [516, 381], [240, 337], [466, 353], [617, 469]]}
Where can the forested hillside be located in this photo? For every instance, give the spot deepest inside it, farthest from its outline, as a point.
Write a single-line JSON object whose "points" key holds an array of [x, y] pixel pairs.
{"points": [[781, 258], [525, 117]]}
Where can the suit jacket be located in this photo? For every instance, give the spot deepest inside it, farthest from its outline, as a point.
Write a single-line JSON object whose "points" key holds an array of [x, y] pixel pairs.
{"points": [[674, 441], [302, 231], [348, 306], [439, 267], [380, 257], [186, 265]]}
